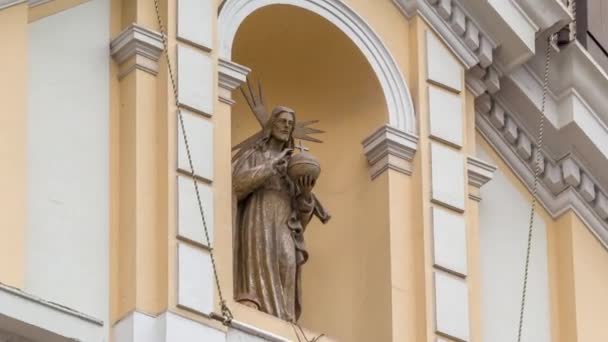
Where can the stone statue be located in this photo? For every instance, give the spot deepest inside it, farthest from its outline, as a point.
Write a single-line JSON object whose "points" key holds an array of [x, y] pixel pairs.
{"points": [[274, 203]]}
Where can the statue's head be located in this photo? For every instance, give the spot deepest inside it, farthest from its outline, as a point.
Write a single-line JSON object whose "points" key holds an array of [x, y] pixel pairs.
{"points": [[281, 124]]}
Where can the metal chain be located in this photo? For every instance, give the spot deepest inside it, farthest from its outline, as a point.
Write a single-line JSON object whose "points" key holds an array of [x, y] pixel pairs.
{"points": [[537, 168], [226, 313]]}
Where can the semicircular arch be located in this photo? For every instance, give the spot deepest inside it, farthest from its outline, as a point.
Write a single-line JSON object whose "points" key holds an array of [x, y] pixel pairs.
{"points": [[396, 93]]}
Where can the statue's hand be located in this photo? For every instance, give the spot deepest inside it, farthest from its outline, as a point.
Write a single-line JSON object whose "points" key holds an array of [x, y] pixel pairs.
{"points": [[306, 184], [280, 162]]}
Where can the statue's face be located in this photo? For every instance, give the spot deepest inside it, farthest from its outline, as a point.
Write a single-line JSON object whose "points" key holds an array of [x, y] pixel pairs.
{"points": [[283, 126]]}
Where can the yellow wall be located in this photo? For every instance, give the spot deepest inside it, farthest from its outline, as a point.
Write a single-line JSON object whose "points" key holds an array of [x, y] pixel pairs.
{"points": [[13, 148], [590, 283]]}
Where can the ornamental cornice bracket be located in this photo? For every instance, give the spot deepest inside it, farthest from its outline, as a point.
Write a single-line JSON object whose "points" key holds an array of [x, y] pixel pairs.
{"points": [[390, 148], [564, 183], [479, 173], [473, 47], [230, 76], [137, 47]]}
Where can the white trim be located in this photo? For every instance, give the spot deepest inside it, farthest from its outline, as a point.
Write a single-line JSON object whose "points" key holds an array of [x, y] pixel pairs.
{"points": [[230, 76], [172, 327], [389, 148], [45, 318], [479, 171], [34, 3], [396, 92], [140, 42], [555, 204]]}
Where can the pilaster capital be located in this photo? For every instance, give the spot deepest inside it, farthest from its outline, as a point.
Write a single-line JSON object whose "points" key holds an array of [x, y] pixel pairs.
{"points": [[230, 76], [390, 148], [479, 173], [137, 47]]}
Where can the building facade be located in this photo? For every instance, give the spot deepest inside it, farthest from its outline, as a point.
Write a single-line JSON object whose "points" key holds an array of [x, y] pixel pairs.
{"points": [[431, 162]]}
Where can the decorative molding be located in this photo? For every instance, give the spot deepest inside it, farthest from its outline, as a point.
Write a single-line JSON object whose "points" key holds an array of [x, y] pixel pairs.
{"points": [[34, 317], [565, 184], [34, 3], [479, 173], [139, 42], [390, 148], [397, 95], [461, 33], [230, 76], [10, 3], [171, 327], [250, 330]]}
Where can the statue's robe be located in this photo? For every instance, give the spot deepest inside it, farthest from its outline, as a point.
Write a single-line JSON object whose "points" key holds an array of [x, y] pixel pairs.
{"points": [[269, 248]]}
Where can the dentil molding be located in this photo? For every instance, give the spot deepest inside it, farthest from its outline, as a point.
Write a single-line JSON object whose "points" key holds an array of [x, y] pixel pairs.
{"points": [[145, 45], [564, 183]]}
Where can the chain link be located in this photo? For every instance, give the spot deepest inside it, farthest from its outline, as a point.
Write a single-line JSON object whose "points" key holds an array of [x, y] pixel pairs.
{"points": [[226, 313], [537, 170]]}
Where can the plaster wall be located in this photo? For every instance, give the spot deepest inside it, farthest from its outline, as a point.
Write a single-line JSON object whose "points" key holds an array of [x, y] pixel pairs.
{"points": [[68, 158], [590, 261], [13, 126], [503, 225]]}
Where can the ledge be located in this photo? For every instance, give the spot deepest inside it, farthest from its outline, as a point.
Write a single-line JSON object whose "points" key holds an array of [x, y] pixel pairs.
{"points": [[34, 318]]}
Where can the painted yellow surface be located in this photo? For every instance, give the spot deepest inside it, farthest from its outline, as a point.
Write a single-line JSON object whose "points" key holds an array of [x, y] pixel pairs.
{"points": [[590, 261], [13, 147], [141, 177], [51, 7]]}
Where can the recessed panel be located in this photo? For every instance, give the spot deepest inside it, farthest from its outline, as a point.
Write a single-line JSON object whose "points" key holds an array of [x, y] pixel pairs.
{"points": [[442, 67], [447, 168], [199, 131], [449, 241], [451, 306], [195, 21], [190, 224], [446, 117], [195, 279], [195, 79]]}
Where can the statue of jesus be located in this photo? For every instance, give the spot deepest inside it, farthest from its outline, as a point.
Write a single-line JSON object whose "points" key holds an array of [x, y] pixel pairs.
{"points": [[272, 213]]}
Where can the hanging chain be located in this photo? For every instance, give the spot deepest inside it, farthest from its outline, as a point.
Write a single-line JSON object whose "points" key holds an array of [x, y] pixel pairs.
{"points": [[537, 169], [226, 313]]}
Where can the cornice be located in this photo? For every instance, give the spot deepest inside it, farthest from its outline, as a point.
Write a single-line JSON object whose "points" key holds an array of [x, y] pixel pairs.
{"points": [[139, 42], [565, 183], [462, 34], [230, 76], [44, 319], [390, 148]]}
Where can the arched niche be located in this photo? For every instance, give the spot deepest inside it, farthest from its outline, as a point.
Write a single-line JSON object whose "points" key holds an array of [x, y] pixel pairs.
{"points": [[307, 63], [395, 90]]}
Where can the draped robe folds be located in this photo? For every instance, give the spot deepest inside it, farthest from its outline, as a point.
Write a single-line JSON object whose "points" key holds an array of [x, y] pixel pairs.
{"points": [[269, 248]]}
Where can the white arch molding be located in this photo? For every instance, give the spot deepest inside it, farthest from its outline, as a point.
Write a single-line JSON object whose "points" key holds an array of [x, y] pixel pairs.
{"points": [[396, 92]]}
